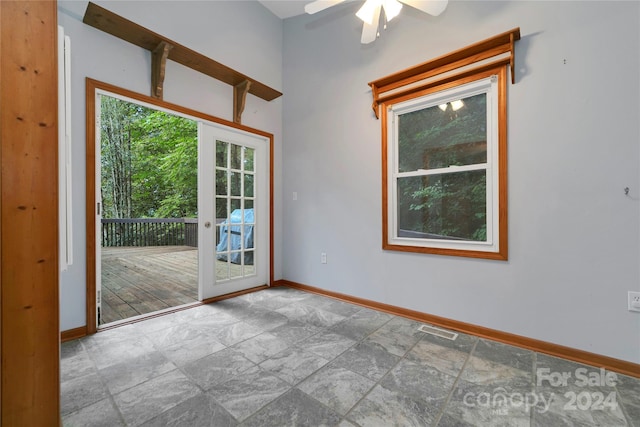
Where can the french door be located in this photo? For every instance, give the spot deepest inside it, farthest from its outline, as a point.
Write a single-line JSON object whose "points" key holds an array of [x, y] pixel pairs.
{"points": [[233, 210], [233, 196]]}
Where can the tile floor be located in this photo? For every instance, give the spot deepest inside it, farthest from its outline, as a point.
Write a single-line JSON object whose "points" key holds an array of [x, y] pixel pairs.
{"points": [[283, 357]]}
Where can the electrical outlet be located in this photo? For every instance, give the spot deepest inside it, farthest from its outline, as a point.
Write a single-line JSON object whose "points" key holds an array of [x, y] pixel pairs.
{"points": [[323, 258], [634, 301]]}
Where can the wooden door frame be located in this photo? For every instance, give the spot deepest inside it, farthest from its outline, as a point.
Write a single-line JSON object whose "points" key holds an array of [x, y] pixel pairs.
{"points": [[91, 87]]}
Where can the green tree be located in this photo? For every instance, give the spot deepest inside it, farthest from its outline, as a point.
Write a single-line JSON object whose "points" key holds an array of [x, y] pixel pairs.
{"points": [[451, 204], [149, 162], [116, 134], [166, 167]]}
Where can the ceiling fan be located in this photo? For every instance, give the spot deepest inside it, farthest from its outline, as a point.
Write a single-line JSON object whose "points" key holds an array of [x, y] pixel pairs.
{"points": [[370, 12]]}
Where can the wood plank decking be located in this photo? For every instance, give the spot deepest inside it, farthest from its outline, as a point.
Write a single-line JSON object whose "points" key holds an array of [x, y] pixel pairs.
{"points": [[141, 280]]}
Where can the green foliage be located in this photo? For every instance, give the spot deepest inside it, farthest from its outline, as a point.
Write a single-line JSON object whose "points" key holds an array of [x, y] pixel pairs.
{"points": [[451, 205], [116, 134], [168, 159], [162, 159]]}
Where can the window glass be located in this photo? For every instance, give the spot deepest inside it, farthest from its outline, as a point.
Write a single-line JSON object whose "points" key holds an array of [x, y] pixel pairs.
{"points": [[439, 136], [443, 170]]}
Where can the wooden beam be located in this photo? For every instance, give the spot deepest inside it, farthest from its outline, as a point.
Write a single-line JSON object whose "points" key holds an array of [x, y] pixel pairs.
{"points": [[29, 312], [158, 63], [239, 97], [118, 26]]}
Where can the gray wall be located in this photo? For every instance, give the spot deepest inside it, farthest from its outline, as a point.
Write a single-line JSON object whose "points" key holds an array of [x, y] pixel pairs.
{"points": [[573, 147], [241, 35]]}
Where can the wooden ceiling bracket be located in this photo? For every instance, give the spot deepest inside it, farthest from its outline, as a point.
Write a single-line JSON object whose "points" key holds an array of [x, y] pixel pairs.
{"points": [[158, 63], [239, 97], [163, 49]]}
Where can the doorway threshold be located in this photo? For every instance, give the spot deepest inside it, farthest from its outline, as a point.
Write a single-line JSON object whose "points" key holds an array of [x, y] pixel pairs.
{"points": [[141, 317]]}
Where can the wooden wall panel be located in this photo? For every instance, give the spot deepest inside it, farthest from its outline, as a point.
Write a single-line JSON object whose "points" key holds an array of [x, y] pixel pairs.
{"points": [[29, 214]]}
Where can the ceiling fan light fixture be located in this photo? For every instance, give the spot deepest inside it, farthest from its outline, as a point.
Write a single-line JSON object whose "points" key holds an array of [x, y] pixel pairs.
{"points": [[391, 8], [368, 10], [456, 105]]}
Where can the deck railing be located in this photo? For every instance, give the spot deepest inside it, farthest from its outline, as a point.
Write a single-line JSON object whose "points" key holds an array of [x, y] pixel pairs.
{"points": [[150, 232]]}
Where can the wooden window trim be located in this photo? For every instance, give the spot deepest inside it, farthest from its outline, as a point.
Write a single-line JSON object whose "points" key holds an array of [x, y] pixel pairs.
{"points": [[502, 253], [481, 60], [473, 55]]}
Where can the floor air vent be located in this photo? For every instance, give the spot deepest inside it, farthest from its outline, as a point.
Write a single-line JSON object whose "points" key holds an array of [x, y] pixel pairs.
{"points": [[438, 332]]}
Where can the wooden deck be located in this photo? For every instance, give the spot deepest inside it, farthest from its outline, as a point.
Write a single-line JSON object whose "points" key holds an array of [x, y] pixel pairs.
{"points": [[141, 280]]}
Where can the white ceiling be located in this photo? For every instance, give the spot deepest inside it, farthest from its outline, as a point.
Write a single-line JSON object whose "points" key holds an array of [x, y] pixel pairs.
{"points": [[285, 8]]}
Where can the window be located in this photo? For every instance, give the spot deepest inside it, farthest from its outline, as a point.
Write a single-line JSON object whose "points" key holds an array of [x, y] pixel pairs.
{"points": [[443, 168], [444, 151]]}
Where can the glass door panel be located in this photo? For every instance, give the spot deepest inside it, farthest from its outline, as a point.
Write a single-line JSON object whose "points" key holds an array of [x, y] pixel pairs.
{"points": [[239, 182]]}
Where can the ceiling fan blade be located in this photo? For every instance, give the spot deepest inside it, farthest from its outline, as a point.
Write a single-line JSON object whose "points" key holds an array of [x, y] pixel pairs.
{"points": [[432, 7], [370, 31], [318, 5]]}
